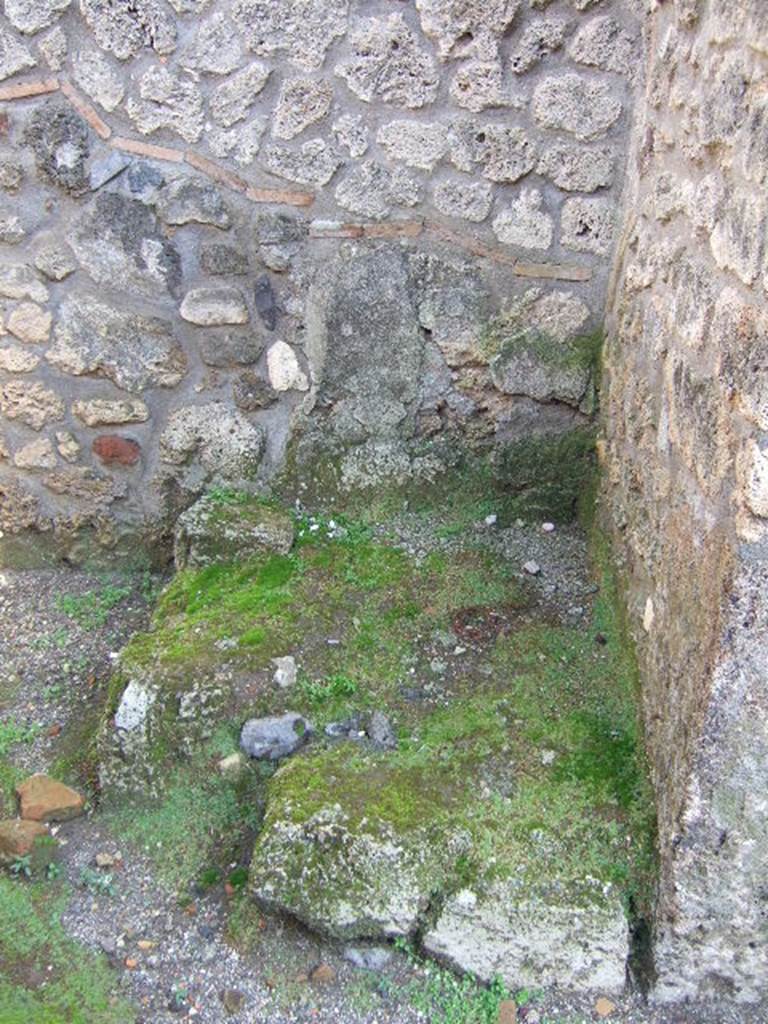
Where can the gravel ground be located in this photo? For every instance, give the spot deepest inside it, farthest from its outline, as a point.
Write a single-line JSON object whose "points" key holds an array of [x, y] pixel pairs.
{"points": [[175, 961]]}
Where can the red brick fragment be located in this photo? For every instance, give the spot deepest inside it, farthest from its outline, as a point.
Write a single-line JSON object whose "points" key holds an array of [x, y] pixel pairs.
{"points": [[114, 450]]}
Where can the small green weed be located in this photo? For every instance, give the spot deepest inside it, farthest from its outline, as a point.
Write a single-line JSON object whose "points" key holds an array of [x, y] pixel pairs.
{"points": [[96, 882], [445, 998], [335, 687], [21, 866], [12, 733], [91, 609]]}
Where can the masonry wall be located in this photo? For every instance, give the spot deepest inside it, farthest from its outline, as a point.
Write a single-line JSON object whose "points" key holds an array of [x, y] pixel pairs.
{"points": [[233, 232], [686, 460]]}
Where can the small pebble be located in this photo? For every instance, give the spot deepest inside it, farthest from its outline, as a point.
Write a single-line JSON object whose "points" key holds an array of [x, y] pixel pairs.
{"points": [[491, 520], [548, 527], [532, 568]]}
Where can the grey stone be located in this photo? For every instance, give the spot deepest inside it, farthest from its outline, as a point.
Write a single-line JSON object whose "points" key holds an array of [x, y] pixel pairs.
{"points": [[285, 671], [279, 736], [14, 55], [209, 307], [240, 143], [232, 100], [215, 48], [55, 262], [119, 242], [302, 102], [11, 176], [351, 132], [266, 302], [470, 201], [371, 189], [387, 63], [98, 79], [213, 532], [53, 47], [587, 225], [218, 260], [228, 348], [604, 43], [304, 30], [167, 101], [29, 322], [30, 403], [125, 29], [144, 179], [252, 392], [415, 143], [369, 958], [37, 454], [525, 366], [18, 281], [380, 732], [100, 412], [31, 16], [192, 200], [14, 359], [212, 443], [539, 39], [59, 139], [12, 231], [314, 163], [508, 153], [478, 85], [577, 168], [105, 168], [578, 105], [524, 223], [459, 27], [577, 940], [279, 229], [134, 351]]}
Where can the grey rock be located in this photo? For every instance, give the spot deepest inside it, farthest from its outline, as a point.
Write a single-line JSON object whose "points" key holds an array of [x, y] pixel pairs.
{"points": [[14, 55], [11, 176], [285, 671], [213, 306], [416, 144], [230, 347], [588, 225], [279, 228], [266, 302], [167, 101], [578, 105], [12, 231], [232, 100], [351, 132], [216, 46], [302, 102], [134, 351], [98, 78], [213, 531], [314, 163], [56, 262], [31, 16], [371, 189], [461, 29], [30, 403], [273, 738], [470, 201], [387, 63], [59, 140], [53, 47], [144, 179], [369, 958], [303, 30], [478, 85], [577, 941], [212, 443], [106, 168], [251, 392], [18, 281], [540, 38], [124, 29], [380, 732], [577, 168], [220, 260], [524, 223], [118, 240], [604, 43], [537, 367], [240, 143], [192, 200]]}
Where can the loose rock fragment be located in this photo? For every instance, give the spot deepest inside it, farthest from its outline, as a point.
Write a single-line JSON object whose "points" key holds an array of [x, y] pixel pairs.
{"points": [[275, 737], [42, 798]]}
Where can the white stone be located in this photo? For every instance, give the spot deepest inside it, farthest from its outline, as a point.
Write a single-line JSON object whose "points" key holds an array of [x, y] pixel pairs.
{"points": [[302, 102], [98, 412], [524, 224], [98, 79], [468, 200], [17, 360], [575, 104], [532, 568], [587, 225], [18, 281], [38, 454], [231, 101], [283, 368], [30, 16], [285, 671], [755, 484], [134, 707], [351, 132], [415, 143], [214, 306], [29, 322]]}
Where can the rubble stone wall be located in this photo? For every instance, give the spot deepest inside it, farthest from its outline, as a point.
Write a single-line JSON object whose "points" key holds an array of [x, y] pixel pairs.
{"points": [[225, 224], [686, 445]]}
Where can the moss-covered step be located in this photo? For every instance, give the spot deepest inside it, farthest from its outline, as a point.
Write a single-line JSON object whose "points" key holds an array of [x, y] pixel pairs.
{"points": [[228, 526]]}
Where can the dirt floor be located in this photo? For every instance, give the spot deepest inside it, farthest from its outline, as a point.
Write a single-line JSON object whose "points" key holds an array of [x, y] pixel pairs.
{"points": [[59, 631]]}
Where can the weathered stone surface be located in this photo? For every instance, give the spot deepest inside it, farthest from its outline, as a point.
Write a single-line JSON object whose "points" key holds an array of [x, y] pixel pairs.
{"points": [[416, 144], [588, 225], [31, 403], [167, 101], [576, 168], [313, 164], [231, 348], [461, 199], [18, 281], [101, 412], [42, 798], [12, 231], [539, 39], [283, 367], [119, 240], [14, 55], [30, 322], [577, 940], [271, 739], [55, 262], [371, 189], [212, 443], [192, 200], [507, 153], [136, 352], [215, 48], [114, 450], [38, 454], [59, 139], [303, 31], [218, 259], [524, 223], [460, 27], [67, 446], [387, 63], [212, 306], [233, 99], [302, 102], [252, 392], [14, 359], [577, 105], [31, 16], [213, 532], [53, 47], [125, 29], [351, 132], [98, 79], [526, 366], [11, 176], [240, 143], [604, 43], [479, 84]]}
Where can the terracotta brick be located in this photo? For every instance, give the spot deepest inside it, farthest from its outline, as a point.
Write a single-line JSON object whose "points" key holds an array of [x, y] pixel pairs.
{"points": [[38, 87], [472, 245], [85, 110], [553, 271], [274, 195], [174, 156], [331, 229], [395, 229], [114, 450], [215, 171]]}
